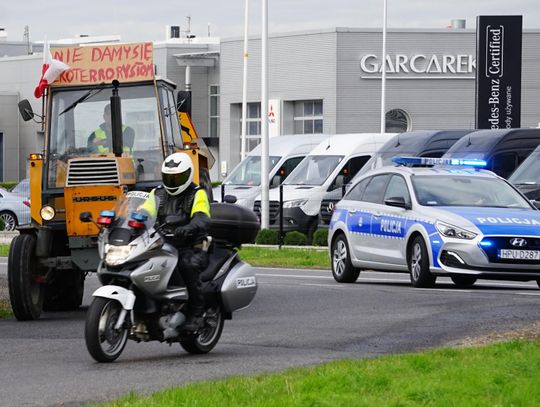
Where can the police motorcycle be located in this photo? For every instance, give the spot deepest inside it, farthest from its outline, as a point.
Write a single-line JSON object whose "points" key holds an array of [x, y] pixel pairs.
{"points": [[143, 297]]}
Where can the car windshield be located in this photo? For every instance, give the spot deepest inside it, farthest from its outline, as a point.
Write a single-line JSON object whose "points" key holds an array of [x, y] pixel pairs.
{"points": [[458, 190], [84, 130], [314, 170], [528, 173], [249, 171], [22, 188]]}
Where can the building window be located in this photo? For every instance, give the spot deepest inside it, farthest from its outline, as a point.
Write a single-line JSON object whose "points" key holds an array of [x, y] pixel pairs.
{"points": [[397, 121], [308, 117], [214, 110], [253, 125]]}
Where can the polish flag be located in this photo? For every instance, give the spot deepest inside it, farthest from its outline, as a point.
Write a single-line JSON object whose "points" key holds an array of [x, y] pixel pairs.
{"points": [[52, 69]]}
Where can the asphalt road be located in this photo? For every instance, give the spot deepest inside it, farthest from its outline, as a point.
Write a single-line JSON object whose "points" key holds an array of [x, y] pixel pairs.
{"points": [[297, 318]]}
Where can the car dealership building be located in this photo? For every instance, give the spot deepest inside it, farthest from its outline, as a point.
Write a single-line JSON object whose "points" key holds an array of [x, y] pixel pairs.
{"points": [[323, 81]]}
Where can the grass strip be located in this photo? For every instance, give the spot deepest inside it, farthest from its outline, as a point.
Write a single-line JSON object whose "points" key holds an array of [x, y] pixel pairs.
{"points": [[5, 309], [286, 257], [4, 250], [502, 374]]}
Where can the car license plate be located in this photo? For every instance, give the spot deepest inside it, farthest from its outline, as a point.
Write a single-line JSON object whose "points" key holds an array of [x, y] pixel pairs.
{"points": [[519, 254]]}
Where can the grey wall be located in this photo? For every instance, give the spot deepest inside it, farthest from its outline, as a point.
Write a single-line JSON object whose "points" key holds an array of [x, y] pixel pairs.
{"points": [[302, 67], [19, 76]]}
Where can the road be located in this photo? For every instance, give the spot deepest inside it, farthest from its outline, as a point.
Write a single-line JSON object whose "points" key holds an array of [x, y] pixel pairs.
{"points": [[299, 317]]}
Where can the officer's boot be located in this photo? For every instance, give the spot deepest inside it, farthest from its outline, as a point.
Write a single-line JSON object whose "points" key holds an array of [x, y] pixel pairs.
{"points": [[195, 320]]}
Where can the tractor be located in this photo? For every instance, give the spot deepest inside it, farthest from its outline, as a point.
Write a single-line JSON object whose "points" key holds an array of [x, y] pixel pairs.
{"points": [[108, 124]]}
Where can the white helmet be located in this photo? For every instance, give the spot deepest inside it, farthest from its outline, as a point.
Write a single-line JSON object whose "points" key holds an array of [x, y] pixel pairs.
{"points": [[177, 173]]}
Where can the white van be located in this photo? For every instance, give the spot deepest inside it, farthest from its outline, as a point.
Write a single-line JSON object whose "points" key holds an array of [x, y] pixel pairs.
{"points": [[285, 153], [329, 166]]}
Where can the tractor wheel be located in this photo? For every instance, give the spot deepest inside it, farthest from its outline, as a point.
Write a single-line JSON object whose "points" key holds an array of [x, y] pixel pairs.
{"points": [[26, 291]]}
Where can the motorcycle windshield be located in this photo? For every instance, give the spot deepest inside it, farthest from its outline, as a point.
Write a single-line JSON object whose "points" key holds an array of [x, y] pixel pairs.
{"points": [[133, 214]]}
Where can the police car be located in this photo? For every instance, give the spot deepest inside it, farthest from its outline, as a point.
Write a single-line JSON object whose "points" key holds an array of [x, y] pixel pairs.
{"points": [[450, 219]]}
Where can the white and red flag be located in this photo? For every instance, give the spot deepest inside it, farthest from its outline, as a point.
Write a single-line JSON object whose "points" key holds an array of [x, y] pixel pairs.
{"points": [[52, 69]]}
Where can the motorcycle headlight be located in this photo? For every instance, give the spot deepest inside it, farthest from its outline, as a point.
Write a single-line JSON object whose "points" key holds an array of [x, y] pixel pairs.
{"points": [[296, 203], [117, 255], [453, 231]]}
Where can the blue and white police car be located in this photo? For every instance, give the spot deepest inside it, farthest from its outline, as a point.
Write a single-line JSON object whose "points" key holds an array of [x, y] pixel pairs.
{"points": [[449, 219]]}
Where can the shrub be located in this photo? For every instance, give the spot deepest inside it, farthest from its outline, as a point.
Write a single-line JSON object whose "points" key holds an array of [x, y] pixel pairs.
{"points": [[320, 237], [8, 185], [294, 238], [267, 236]]}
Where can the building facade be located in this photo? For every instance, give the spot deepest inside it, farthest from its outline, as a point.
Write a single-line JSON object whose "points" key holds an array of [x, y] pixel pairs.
{"points": [[322, 81]]}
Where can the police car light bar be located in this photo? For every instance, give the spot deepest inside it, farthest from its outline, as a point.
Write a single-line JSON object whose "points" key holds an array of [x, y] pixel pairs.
{"points": [[439, 161]]}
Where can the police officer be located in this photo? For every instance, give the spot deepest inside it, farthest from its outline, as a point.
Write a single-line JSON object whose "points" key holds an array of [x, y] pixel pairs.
{"points": [[179, 196], [100, 141]]}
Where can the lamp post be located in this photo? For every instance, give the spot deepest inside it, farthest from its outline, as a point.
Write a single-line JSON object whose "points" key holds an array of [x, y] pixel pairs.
{"points": [[244, 84], [383, 76], [264, 118]]}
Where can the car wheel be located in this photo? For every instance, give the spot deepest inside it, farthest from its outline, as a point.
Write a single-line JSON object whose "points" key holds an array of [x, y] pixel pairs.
{"points": [[419, 264], [342, 268], [9, 219], [463, 281]]}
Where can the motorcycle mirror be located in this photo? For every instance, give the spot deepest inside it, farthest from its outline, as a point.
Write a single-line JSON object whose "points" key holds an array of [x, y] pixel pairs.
{"points": [[174, 220], [85, 216], [229, 199]]}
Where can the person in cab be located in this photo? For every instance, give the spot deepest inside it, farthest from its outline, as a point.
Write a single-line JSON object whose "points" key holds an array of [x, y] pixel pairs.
{"points": [[100, 141]]}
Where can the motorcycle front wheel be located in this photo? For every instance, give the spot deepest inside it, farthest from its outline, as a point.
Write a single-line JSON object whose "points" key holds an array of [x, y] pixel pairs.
{"points": [[208, 336], [103, 341]]}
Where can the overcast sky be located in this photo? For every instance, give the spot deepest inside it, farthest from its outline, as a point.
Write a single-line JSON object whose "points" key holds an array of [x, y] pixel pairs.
{"points": [[137, 20]]}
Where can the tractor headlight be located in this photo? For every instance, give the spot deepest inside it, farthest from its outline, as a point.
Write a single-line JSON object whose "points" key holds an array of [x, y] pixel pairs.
{"points": [[117, 255], [453, 231], [47, 212]]}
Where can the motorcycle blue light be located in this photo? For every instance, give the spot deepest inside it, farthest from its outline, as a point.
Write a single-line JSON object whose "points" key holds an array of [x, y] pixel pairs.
{"points": [[107, 214], [439, 161], [139, 217]]}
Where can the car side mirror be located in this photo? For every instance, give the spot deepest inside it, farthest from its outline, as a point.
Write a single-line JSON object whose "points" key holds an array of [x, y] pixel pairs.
{"points": [[397, 201], [276, 180], [229, 199], [340, 181], [85, 216], [25, 109]]}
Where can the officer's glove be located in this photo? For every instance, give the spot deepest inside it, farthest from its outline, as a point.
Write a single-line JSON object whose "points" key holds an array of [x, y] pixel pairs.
{"points": [[183, 232]]}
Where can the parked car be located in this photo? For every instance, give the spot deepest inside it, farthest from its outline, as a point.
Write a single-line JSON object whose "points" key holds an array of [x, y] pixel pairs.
{"points": [[527, 177], [15, 206], [329, 166], [459, 222], [285, 153], [22, 188], [503, 149], [420, 143]]}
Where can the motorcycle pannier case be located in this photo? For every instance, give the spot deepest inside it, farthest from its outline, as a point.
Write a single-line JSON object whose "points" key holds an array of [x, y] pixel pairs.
{"points": [[233, 224]]}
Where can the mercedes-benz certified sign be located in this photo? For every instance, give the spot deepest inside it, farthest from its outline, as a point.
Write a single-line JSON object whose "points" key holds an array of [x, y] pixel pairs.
{"points": [[518, 241]]}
